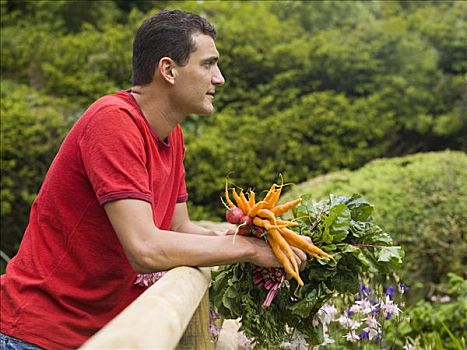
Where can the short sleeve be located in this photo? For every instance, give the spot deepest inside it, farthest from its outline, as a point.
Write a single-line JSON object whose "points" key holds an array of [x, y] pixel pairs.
{"points": [[113, 152], [182, 190]]}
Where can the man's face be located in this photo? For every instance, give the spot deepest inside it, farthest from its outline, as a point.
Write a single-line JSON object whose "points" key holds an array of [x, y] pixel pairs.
{"points": [[196, 82]]}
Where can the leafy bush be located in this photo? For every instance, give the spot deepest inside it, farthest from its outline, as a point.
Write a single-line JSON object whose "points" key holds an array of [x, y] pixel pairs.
{"points": [[311, 87], [321, 133], [421, 200], [439, 322], [82, 65], [33, 126]]}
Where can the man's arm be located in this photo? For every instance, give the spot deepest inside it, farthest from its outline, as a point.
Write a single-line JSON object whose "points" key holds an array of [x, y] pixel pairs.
{"points": [[150, 249], [181, 223]]}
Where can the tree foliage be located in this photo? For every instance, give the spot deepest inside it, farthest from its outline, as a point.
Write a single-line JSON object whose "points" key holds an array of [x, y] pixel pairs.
{"points": [[311, 87], [33, 127]]}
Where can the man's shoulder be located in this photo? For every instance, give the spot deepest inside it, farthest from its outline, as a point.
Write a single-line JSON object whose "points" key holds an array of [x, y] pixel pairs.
{"points": [[110, 107], [116, 100]]}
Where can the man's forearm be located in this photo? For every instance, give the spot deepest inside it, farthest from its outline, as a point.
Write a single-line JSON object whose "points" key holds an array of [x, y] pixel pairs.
{"points": [[191, 227], [150, 249]]}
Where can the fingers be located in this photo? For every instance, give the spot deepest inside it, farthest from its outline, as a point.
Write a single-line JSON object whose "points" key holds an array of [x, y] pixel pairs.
{"points": [[303, 255], [229, 232], [264, 256], [300, 257]]}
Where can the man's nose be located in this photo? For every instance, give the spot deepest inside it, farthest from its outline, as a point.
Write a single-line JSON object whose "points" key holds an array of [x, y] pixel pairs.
{"points": [[218, 78]]}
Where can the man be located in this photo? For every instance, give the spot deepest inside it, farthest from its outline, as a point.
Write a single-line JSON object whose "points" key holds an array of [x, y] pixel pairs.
{"points": [[113, 203]]}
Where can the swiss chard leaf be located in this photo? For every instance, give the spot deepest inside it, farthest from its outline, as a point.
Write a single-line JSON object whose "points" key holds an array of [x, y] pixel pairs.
{"points": [[337, 224], [360, 208], [369, 233], [389, 258], [303, 307]]}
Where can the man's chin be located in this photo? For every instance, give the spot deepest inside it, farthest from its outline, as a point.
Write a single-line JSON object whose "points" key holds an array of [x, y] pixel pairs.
{"points": [[206, 111]]}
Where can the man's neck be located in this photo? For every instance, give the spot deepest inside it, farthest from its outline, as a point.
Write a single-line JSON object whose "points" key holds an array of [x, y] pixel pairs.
{"points": [[156, 109]]}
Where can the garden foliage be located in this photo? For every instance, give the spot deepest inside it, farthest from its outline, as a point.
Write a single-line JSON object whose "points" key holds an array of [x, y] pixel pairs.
{"points": [[311, 87], [421, 201], [440, 320], [33, 126]]}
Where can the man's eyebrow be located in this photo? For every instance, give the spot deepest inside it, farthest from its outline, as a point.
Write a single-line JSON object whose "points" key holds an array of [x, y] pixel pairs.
{"points": [[211, 59]]}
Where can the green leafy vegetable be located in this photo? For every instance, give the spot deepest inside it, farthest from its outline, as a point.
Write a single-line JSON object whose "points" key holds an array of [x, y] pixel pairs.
{"points": [[343, 227]]}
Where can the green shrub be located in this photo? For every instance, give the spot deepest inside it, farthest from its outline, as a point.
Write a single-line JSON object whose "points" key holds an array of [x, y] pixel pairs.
{"points": [[82, 66], [421, 200], [322, 132], [439, 322], [32, 129]]}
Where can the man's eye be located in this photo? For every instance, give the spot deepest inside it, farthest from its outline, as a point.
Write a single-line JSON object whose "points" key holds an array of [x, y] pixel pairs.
{"points": [[210, 64]]}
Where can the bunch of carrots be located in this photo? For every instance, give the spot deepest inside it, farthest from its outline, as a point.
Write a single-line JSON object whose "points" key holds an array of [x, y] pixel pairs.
{"points": [[262, 220]]}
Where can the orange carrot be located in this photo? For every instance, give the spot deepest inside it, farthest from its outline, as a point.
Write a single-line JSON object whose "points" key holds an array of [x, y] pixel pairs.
{"points": [[269, 196], [237, 199], [283, 259], [276, 236], [265, 224], [251, 199], [254, 210], [277, 193], [295, 240], [227, 198], [245, 203], [281, 209], [266, 213], [275, 198], [286, 223]]}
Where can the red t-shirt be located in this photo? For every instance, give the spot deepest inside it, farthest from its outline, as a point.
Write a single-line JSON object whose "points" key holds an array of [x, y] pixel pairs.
{"points": [[71, 275]]}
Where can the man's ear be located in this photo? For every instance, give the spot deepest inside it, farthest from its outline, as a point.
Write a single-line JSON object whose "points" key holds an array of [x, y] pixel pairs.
{"points": [[166, 68]]}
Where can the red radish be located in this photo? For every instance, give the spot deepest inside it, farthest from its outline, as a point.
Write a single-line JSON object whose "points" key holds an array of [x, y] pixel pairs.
{"points": [[258, 232], [244, 230], [246, 220], [234, 215], [245, 225]]}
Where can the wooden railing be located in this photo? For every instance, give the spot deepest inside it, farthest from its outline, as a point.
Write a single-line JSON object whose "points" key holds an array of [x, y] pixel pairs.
{"points": [[171, 314]]}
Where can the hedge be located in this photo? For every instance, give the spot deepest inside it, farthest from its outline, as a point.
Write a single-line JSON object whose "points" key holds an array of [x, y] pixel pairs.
{"points": [[33, 126], [421, 200]]}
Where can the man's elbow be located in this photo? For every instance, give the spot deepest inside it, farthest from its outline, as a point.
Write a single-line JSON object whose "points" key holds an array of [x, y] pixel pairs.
{"points": [[148, 261]]}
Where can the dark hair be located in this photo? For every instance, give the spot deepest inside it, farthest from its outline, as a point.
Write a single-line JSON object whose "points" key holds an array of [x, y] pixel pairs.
{"points": [[166, 34]]}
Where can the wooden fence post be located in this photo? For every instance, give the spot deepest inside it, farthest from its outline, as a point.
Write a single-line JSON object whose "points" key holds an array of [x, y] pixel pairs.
{"points": [[196, 336]]}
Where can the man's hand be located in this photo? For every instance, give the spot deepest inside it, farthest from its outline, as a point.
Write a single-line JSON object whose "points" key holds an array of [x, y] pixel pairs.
{"points": [[299, 255]]}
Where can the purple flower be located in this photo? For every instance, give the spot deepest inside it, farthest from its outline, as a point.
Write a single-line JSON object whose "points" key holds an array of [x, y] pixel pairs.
{"points": [[148, 279], [389, 307], [403, 288], [352, 337], [214, 329], [328, 313], [364, 335], [364, 290], [213, 315], [390, 292], [408, 346], [388, 316], [376, 309]]}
